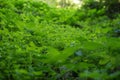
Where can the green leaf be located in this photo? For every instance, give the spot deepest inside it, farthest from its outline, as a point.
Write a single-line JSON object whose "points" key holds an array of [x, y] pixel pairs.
{"points": [[95, 75], [67, 52], [92, 45], [38, 73], [22, 71], [52, 55]]}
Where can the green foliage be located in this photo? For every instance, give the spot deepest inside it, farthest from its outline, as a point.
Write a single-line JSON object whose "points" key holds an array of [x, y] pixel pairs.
{"points": [[111, 7], [38, 42]]}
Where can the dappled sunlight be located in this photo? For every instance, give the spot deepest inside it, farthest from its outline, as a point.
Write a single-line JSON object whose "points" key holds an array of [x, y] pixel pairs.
{"points": [[76, 1]]}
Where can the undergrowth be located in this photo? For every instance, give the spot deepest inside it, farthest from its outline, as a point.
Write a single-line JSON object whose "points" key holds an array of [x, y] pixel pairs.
{"points": [[38, 42]]}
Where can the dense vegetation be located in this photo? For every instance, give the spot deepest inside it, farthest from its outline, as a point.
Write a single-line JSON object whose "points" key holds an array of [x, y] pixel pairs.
{"points": [[38, 42]]}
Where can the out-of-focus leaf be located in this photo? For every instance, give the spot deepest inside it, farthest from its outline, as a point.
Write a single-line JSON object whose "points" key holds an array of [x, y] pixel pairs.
{"points": [[92, 45]]}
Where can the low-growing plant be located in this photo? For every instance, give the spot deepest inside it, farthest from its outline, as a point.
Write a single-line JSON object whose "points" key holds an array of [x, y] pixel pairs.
{"points": [[38, 42]]}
